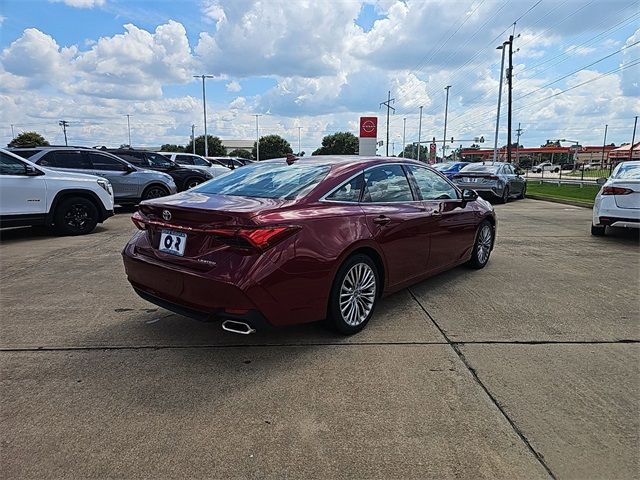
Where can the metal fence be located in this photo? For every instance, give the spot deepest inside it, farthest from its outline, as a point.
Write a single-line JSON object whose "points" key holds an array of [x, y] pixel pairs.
{"points": [[579, 174]]}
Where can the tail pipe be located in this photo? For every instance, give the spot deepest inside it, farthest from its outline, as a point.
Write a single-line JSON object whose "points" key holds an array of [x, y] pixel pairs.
{"points": [[235, 326]]}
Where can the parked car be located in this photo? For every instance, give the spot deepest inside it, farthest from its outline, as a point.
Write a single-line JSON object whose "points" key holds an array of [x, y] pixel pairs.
{"points": [[130, 184], [546, 167], [71, 203], [230, 162], [496, 180], [196, 162], [282, 242], [567, 166], [449, 169], [183, 177], [592, 166], [617, 204]]}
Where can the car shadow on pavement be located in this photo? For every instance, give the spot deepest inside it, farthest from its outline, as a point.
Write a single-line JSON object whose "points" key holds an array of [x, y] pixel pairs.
{"points": [[17, 234]]}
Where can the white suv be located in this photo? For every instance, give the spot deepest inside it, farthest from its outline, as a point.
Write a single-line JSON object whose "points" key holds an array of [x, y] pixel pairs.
{"points": [[196, 162], [72, 203]]}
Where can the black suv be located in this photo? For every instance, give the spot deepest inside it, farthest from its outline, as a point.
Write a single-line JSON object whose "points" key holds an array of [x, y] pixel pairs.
{"points": [[185, 178]]}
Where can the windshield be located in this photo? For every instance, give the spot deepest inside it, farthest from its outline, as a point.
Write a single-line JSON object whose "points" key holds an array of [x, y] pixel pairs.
{"points": [[628, 171], [481, 168], [267, 180]]}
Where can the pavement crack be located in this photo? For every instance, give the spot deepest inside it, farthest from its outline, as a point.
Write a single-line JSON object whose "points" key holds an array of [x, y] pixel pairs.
{"points": [[456, 348]]}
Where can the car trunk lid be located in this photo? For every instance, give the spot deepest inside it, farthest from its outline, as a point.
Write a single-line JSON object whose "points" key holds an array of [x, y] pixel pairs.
{"points": [[628, 200]]}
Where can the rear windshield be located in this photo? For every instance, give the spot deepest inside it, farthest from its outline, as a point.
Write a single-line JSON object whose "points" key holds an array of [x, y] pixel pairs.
{"points": [[267, 180], [481, 168], [441, 167], [628, 171]]}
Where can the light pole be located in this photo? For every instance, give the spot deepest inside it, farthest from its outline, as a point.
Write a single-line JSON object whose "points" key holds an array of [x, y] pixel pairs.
{"points": [[204, 107], [495, 143], [575, 151], [446, 108], [404, 131], [129, 128], [257, 115], [419, 132], [299, 147]]}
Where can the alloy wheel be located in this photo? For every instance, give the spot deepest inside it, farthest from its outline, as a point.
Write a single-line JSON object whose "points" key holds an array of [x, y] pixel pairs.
{"points": [[357, 294], [483, 249], [77, 216], [155, 192]]}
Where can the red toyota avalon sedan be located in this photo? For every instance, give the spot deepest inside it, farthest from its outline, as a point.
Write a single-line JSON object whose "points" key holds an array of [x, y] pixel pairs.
{"points": [[290, 241]]}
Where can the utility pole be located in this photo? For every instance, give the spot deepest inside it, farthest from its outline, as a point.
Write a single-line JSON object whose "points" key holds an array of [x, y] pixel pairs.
{"points": [[633, 138], [446, 108], [13, 135], [64, 124], [518, 145], [299, 147], [419, 132], [604, 144], [193, 138], [389, 107], [204, 107], [257, 115], [404, 131], [495, 143], [509, 98], [129, 128]]}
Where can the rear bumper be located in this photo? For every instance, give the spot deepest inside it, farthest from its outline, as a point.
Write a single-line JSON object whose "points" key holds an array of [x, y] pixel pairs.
{"points": [[607, 213]]}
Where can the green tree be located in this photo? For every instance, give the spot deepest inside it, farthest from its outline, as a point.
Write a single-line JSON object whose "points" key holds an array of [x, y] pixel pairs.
{"points": [[240, 153], [171, 147], [28, 139], [215, 146], [272, 146], [340, 143], [411, 151]]}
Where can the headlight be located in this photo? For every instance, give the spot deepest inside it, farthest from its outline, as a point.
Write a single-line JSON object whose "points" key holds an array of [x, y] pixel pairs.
{"points": [[106, 186], [208, 175]]}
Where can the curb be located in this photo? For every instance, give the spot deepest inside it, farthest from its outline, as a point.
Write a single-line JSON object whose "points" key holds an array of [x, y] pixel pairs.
{"points": [[574, 203]]}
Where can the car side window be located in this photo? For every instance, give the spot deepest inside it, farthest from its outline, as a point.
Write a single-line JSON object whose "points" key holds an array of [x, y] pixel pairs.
{"points": [[11, 166], [103, 162], [508, 170], [349, 191], [157, 160], [134, 159], [431, 185], [184, 159], [65, 159], [200, 161], [386, 183]]}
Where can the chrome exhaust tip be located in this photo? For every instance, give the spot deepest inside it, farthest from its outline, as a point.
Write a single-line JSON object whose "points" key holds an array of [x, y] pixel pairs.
{"points": [[241, 328]]}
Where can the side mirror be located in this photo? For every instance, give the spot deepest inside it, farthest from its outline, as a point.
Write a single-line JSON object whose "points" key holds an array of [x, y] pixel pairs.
{"points": [[469, 195], [130, 169], [601, 181], [30, 171], [519, 171]]}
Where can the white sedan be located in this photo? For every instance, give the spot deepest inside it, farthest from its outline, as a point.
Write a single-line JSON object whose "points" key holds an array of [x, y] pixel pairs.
{"points": [[618, 201]]}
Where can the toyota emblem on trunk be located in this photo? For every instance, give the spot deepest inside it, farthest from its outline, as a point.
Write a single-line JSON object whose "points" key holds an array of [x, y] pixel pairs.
{"points": [[166, 214]]}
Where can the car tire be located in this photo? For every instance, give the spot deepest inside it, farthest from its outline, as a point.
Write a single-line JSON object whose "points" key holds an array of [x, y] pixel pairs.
{"points": [[505, 195], [75, 216], [193, 182], [597, 231], [523, 193], [482, 246], [556, 170], [154, 191], [353, 297]]}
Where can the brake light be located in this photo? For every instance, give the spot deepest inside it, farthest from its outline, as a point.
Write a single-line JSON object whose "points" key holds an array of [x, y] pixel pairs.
{"points": [[616, 191], [261, 238], [139, 221]]}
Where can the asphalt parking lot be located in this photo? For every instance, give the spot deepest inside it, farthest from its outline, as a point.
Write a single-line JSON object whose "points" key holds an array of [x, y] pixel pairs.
{"points": [[529, 368]]}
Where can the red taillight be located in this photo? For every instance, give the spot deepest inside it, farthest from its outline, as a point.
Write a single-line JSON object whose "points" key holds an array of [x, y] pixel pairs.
{"points": [[616, 191], [261, 237], [139, 221]]}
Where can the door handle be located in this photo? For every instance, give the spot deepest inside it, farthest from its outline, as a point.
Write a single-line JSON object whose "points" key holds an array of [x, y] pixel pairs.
{"points": [[381, 220]]}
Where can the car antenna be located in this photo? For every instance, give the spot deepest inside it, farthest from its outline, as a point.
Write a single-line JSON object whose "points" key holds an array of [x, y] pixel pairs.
{"points": [[291, 158]]}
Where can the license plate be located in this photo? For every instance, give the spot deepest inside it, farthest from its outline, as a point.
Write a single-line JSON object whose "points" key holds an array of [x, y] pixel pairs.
{"points": [[470, 179], [173, 242]]}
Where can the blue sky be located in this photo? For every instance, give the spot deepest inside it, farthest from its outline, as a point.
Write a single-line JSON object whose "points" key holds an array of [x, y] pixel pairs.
{"points": [[318, 65]]}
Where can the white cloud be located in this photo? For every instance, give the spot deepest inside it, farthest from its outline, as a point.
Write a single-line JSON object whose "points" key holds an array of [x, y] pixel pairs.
{"points": [[580, 50], [81, 3], [631, 74], [233, 86]]}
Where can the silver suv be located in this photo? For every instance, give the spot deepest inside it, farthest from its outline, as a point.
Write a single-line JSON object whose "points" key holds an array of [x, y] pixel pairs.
{"points": [[130, 184]]}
